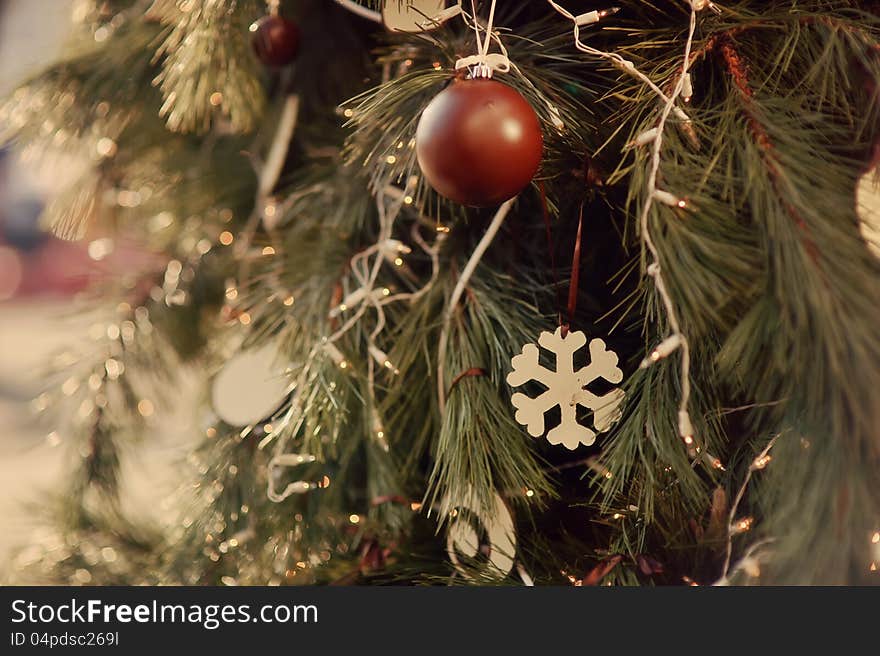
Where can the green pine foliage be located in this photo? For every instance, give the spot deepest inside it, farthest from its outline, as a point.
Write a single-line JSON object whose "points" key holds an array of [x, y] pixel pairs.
{"points": [[774, 286]]}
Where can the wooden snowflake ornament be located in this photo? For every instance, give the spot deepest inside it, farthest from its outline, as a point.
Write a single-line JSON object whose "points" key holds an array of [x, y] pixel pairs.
{"points": [[473, 532], [566, 388]]}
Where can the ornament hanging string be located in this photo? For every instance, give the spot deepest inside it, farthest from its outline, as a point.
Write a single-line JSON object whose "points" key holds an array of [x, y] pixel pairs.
{"points": [[574, 281], [548, 229], [484, 63], [473, 372]]}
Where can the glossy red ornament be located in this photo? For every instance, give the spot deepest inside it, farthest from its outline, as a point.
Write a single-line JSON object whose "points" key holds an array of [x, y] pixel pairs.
{"points": [[275, 40], [479, 142]]}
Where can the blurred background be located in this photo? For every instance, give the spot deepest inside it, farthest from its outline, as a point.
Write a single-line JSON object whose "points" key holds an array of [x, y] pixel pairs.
{"points": [[41, 278]]}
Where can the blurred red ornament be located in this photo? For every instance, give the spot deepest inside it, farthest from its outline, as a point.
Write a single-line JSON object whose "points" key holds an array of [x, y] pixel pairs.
{"points": [[479, 142], [63, 268], [275, 40], [11, 272]]}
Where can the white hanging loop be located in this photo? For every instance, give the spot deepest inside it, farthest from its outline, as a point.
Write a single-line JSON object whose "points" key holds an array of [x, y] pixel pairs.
{"points": [[484, 63]]}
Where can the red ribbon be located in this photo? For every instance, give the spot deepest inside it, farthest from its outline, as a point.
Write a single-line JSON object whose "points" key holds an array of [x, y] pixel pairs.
{"points": [[473, 372], [575, 270], [545, 212], [574, 282]]}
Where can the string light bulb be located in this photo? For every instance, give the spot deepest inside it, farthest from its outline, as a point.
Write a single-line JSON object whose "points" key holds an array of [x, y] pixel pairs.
{"points": [[289, 460], [335, 355], [663, 350], [742, 525], [357, 297], [593, 17], [379, 431], [393, 249], [667, 198], [382, 358], [685, 427], [687, 88]]}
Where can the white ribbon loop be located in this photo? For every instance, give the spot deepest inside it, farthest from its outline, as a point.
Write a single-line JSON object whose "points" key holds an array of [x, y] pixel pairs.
{"points": [[482, 65], [485, 64]]}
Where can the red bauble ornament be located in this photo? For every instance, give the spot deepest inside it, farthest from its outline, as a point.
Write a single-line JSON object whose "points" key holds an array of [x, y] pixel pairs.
{"points": [[479, 142], [275, 40]]}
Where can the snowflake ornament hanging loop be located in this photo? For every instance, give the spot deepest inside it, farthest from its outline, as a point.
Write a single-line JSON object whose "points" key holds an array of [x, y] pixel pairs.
{"points": [[566, 388]]}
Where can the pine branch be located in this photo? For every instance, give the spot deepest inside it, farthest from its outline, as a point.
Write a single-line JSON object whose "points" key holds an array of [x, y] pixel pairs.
{"points": [[207, 65]]}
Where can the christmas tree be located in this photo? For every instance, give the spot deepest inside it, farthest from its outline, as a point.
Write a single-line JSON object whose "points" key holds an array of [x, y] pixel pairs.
{"points": [[482, 292]]}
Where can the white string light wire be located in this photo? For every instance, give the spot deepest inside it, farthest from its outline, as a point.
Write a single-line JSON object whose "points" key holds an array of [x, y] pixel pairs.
{"points": [[685, 426], [620, 62]]}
